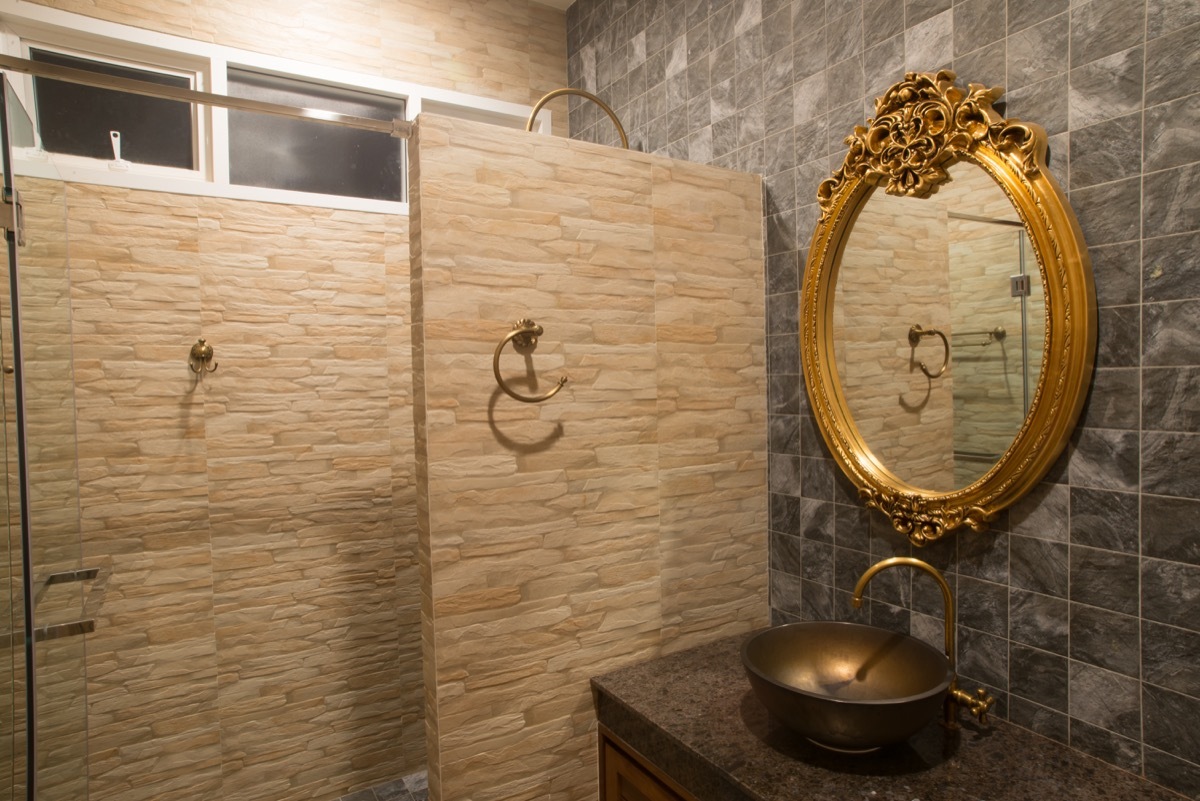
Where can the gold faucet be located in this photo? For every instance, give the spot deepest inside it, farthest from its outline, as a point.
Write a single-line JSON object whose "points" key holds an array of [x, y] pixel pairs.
{"points": [[977, 704]]}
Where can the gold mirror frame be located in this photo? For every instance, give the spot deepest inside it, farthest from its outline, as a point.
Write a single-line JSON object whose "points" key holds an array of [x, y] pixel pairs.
{"points": [[921, 125]]}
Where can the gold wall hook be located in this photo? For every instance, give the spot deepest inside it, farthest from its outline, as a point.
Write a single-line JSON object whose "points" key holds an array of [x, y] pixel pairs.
{"points": [[199, 357], [524, 337]]}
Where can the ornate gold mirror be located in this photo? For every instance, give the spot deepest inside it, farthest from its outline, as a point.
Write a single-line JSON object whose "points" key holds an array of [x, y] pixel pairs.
{"points": [[947, 320]]}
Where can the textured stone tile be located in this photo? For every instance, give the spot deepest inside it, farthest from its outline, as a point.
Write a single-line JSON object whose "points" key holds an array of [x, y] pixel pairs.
{"points": [[1039, 566], [1162, 454], [1171, 135], [1038, 53], [1109, 213], [1105, 639], [1104, 578], [1039, 620], [983, 605], [1040, 677], [1106, 745], [1169, 658], [1108, 404], [1106, 88], [1043, 513], [1023, 13], [1104, 520], [977, 23], [1116, 273], [985, 65], [1171, 593], [1105, 699], [929, 44], [1100, 28], [882, 19], [1169, 206], [1172, 65], [1169, 399], [1170, 338], [1169, 771], [1105, 459], [1167, 529], [1046, 722], [1107, 151], [1168, 725]]}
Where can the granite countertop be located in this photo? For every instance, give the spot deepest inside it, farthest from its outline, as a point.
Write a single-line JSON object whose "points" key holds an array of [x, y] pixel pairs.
{"points": [[694, 716]]}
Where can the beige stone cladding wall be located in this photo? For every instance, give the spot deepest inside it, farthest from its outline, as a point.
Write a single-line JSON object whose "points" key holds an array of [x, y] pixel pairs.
{"points": [[893, 275], [625, 516], [258, 638], [513, 50]]}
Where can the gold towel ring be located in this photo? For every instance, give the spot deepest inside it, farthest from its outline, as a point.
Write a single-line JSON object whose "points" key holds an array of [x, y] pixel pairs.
{"points": [[524, 335], [559, 92], [914, 338]]}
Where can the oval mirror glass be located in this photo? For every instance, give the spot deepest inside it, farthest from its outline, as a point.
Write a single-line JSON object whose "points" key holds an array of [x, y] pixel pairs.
{"points": [[939, 323]]}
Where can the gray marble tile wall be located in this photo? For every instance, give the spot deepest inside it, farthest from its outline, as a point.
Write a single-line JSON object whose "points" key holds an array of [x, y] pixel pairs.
{"points": [[1080, 609]]}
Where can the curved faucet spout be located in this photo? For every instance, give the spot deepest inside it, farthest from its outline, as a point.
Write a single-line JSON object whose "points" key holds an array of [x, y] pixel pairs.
{"points": [[908, 561], [978, 704]]}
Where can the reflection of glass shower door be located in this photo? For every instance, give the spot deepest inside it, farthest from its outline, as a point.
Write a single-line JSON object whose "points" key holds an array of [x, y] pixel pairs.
{"points": [[997, 336], [39, 388]]}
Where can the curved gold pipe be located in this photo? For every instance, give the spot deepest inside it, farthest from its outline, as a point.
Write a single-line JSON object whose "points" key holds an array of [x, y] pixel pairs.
{"points": [[523, 335], [909, 561], [914, 338], [568, 91], [979, 703]]}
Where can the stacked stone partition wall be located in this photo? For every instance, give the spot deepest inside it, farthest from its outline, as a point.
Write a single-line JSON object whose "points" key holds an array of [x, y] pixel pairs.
{"points": [[624, 517]]}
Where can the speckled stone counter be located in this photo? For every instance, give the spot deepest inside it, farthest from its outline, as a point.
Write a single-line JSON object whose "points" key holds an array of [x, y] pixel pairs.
{"points": [[693, 715]]}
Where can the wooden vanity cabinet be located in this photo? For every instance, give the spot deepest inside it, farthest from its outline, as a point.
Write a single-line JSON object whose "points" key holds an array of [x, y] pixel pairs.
{"points": [[625, 775]]}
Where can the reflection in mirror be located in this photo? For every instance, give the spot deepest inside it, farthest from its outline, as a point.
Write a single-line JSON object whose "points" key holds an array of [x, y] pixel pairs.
{"points": [[945, 263]]}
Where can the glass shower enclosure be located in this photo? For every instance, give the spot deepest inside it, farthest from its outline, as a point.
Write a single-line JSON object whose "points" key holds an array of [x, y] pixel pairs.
{"points": [[44, 587]]}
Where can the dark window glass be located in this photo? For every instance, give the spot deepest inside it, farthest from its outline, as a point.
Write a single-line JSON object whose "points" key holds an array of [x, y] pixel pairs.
{"points": [[283, 153], [76, 119]]}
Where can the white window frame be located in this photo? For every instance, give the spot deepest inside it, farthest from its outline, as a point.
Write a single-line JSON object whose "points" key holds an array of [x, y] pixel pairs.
{"points": [[201, 152], [24, 24]]}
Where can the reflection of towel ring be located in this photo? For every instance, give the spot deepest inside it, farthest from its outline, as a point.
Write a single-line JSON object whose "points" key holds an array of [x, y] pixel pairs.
{"points": [[524, 337], [557, 92], [914, 338]]}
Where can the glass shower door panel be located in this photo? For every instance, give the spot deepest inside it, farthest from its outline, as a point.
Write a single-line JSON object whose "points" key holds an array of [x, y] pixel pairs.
{"points": [[13, 730], [61, 585], [44, 392]]}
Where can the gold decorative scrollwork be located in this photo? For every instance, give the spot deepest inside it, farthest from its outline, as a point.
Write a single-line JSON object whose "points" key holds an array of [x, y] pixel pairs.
{"points": [[924, 124], [921, 124]]}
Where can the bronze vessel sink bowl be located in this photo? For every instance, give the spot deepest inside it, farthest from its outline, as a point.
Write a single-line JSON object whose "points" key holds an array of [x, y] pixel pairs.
{"points": [[847, 686]]}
